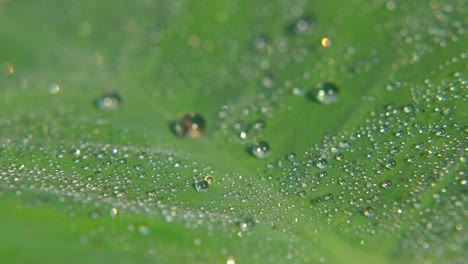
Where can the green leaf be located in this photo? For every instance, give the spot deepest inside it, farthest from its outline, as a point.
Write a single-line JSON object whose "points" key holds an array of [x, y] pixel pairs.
{"points": [[93, 169]]}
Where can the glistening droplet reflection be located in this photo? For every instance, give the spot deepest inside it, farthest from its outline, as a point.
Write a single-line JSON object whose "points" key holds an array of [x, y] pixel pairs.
{"points": [[190, 125], [261, 150], [109, 102], [201, 185], [324, 93]]}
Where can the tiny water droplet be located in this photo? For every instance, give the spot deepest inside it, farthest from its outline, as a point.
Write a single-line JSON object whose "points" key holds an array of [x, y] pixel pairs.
{"points": [[391, 164], [368, 211], [109, 102], [246, 224], [322, 163], [386, 184], [301, 25], [291, 157], [210, 179], [54, 88], [259, 125], [344, 144], [141, 155], [114, 212], [324, 93], [408, 109], [201, 185], [190, 125], [230, 260], [323, 174], [339, 157], [144, 229], [261, 150], [243, 135]]}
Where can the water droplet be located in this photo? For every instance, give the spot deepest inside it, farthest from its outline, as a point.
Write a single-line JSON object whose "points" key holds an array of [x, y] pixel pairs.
{"points": [[391, 163], [258, 125], [243, 135], [141, 155], [201, 185], [190, 125], [324, 93], [291, 157], [54, 88], [368, 211], [238, 125], [210, 179], [230, 260], [9, 69], [328, 197], [339, 157], [262, 44], [322, 163], [144, 229], [386, 184], [399, 133], [323, 174], [408, 109], [114, 212], [267, 82], [261, 150], [326, 42], [246, 224], [109, 102], [301, 25], [344, 144]]}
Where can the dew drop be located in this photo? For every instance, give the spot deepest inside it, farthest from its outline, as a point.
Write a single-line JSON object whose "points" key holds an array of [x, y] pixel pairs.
{"points": [[324, 93], [144, 229], [258, 125], [368, 211], [261, 150], [386, 184], [322, 163], [301, 25], [323, 174], [190, 125], [408, 109], [109, 102], [243, 135], [391, 164], [141, 155], [114, 212], [230, 260], [201, 185], [246, 224], [339, 157], [54, 88], [291, 157], [209, 179]]}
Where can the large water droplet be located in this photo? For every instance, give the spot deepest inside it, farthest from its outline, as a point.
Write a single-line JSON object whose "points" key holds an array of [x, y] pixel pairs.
{"points": [[109, 102], [261, 150], [324, 93], [201, 185], [190, 125]]}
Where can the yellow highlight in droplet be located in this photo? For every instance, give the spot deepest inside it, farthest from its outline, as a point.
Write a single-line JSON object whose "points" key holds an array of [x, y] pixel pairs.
{"points": [[326, 42], [9, 69], [210, 179]]}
